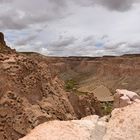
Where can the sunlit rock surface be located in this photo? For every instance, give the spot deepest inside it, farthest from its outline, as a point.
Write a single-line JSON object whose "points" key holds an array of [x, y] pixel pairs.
{"points": [[90, 128], [124, 124]]}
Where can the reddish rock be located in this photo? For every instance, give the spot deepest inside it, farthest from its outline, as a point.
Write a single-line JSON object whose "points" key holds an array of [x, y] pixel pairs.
{"points": [[123, 98], [2, 38], [3, 47]]}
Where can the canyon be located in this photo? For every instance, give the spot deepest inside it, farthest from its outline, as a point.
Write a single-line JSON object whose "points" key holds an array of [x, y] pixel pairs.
{"points": [[37, 89]]}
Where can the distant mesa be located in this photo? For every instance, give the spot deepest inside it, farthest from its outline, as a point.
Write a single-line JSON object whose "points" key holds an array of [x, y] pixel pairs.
{"points": [[131, 55]]}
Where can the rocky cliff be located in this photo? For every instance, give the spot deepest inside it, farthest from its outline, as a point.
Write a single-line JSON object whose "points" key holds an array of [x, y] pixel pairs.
{"points": [[3, 47]]}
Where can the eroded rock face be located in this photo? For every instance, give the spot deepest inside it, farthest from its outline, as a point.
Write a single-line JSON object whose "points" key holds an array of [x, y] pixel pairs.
{"points": [[29, 95]]}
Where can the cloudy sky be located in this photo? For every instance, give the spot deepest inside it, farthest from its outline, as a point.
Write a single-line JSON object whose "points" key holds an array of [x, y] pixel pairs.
{"points": [[72, 27]]}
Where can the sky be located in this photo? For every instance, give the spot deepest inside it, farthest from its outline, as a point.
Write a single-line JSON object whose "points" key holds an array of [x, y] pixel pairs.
{"points": [[72, 27]]}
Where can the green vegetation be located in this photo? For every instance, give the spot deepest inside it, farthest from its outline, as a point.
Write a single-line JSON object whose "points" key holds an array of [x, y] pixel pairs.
{"points": [[80, 93], [107, 107], [70, 85], [28, 53]]}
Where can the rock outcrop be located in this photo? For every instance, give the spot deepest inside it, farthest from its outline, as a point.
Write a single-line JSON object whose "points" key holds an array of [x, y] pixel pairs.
{"points": [[29, 95], [2, 39], [125, 121], [123, 98], [85, 105], [90, 128], [124, 124], [3, 47]]}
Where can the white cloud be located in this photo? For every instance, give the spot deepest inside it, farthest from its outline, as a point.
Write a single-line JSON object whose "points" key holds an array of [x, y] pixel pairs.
{"points": [[76, 27]]}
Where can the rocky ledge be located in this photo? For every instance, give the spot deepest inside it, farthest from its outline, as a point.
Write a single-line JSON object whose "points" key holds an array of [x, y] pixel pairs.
{"points": [[123, 124]]}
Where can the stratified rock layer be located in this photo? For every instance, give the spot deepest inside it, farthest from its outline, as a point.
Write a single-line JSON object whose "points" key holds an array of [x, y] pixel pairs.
{"points": [[100, 74]]}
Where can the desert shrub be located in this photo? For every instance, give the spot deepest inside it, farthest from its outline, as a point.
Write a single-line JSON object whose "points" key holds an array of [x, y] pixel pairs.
{"points": [[70, 84], [107, 108]]}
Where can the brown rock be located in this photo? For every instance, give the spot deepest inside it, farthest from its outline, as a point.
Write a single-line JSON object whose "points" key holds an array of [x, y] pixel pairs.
{"points": [[3, 47], [2, 38]]}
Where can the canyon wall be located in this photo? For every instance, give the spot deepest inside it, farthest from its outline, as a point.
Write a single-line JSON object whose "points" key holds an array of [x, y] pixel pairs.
{"points": [[90, 73]]}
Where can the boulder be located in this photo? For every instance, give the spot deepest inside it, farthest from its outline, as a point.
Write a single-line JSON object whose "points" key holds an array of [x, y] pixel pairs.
{"points": [[123, 98], [89, 128], [124, 123]]}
